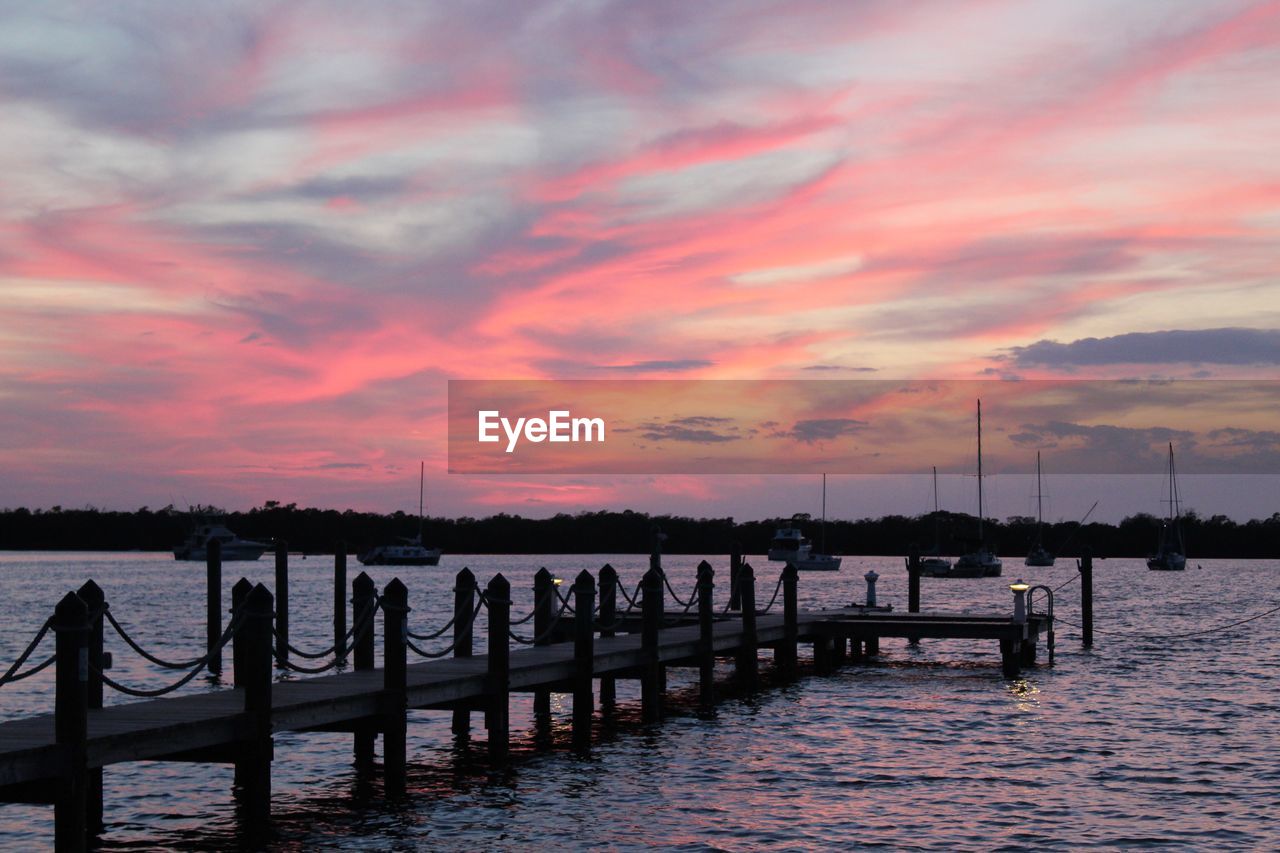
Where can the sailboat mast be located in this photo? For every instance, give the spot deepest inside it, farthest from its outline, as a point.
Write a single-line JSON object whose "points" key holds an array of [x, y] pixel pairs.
{"points": [[822, 529], [980, 471], [1039, 499], [937, 540], [422, 478]]}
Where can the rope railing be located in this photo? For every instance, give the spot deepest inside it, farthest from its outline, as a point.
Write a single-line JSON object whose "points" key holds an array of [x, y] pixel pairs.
{"points": [[565, 602], [305, 670], [692, 603], [357, 627], [677, 598], [435, 634], [1067, 582], [546, 632], [422, 653], [633, 600], [26, 653], [537, 604], [143, 653], [423, 637], [1177, 636], [40, 667], [772, 600], [143, 693]]}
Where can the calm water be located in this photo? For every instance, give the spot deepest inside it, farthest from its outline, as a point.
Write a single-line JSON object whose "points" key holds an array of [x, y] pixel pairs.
{"points": [[1140, 742]]}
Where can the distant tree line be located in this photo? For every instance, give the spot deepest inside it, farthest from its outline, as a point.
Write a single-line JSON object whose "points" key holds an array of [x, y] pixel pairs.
{"points": [[317, 530]]}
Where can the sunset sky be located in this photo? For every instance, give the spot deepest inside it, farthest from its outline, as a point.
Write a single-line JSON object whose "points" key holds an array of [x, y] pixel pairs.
{"points": [[243, 246]]}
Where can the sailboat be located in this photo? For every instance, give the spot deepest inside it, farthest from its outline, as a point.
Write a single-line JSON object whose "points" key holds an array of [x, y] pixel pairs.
{"points": [[932, 563], [408, 552], [1170, 555], [981, 562], [1039, 556], [811, 562]]}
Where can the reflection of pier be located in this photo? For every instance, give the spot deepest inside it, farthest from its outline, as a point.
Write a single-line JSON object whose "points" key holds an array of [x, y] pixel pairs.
{"points": [[578, 643]]}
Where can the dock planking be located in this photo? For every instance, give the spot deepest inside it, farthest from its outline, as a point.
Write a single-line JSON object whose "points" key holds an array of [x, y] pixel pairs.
{"points": [[229, 725]]}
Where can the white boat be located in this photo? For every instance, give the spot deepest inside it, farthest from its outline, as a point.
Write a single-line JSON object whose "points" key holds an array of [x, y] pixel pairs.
{"points": [[1039, 556], [232, 546], [406, 552], [1170, 555], [980, 562], [932, 563], [788, 545], [815, 562]]}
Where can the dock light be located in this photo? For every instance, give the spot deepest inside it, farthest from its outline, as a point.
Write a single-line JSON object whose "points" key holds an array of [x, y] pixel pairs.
{"points": [[557, 581], [871, 578], [1019, 588]]}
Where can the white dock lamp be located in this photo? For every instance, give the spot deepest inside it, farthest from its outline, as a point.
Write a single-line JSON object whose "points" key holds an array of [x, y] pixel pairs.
{"points": [[871, 577], [1019, 588]]}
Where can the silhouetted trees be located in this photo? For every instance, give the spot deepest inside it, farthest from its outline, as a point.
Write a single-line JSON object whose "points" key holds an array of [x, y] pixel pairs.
{"points": [[317, 530]]}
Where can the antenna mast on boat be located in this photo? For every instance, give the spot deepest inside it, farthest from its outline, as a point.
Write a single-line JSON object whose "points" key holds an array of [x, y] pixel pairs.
{"points": [[1039, 501], [980, 538], [822, 528]]}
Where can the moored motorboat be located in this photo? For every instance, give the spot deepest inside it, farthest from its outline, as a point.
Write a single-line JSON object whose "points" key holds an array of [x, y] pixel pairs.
{"points": [[788, 544], [231, 547]]}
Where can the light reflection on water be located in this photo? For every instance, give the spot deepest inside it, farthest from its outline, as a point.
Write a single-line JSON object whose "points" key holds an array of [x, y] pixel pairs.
{"points": [[1138, 742]]}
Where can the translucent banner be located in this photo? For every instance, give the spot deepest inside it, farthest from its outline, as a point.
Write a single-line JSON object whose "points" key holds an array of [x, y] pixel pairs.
{"points": [[861, 426]]}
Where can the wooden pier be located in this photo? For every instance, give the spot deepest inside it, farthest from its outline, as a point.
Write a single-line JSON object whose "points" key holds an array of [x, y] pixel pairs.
{"points": [[578, 640]]}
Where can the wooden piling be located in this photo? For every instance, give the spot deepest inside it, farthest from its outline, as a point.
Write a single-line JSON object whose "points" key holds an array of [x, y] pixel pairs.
{"points": [[213, 603], [340, 599], [363, 598], [544, 610], [706, 627], [823, 655], [71, 721], [1010, 658], [95, 599], [282, 602], [1027, 653], [464, 604], [395, 612], [1086, 598], [239, 596], [913, 579], [735, 566], [584, 606], [785, 653], [498, 680], [253, 760], [651, 612], [608, 616], [747, 669]]}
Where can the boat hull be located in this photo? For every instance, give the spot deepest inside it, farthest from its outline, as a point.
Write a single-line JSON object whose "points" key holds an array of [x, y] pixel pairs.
{"points": [[981, 565], [1039, 558], [229, 554], [816, 564], [384, 560], [1167, 563], [935, 567]]}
